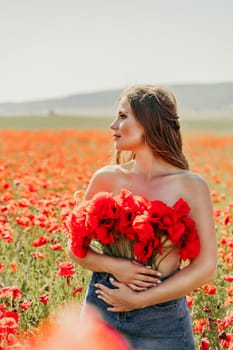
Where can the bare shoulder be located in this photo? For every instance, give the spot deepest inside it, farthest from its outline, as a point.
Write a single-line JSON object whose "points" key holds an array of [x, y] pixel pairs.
{"points": [[106, 172], [195, 190], [103, 180], [194, 181]]}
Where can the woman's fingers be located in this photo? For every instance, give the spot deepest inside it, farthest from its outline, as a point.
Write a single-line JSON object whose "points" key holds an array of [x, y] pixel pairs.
{"points": [[149, 272], [146, 284], [103, 287], [104, 297], [146, 270], [106, 294], [103, 293], [119, 299], [147, 279], [136, 288]]}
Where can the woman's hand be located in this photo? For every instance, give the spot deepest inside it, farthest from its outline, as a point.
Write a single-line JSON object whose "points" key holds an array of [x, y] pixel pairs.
{"points": [[136, 276], [120, 299]]}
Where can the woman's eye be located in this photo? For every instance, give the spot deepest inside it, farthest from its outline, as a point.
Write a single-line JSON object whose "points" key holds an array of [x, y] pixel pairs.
{"points": [[122, 116]]}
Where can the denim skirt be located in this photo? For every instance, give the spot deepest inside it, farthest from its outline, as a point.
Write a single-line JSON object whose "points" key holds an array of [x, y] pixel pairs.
{"points": [[164, 326]]}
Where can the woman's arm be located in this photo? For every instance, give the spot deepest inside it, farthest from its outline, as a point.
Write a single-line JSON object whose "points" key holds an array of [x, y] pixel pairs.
{"points": [[128, 272], [201, 270]]}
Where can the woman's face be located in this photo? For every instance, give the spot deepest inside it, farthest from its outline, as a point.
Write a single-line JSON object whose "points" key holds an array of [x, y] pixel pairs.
{"points": [[128, 133]]}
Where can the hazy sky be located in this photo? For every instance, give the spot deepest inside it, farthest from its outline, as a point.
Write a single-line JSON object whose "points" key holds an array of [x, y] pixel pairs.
{"points": [[52, 48]]}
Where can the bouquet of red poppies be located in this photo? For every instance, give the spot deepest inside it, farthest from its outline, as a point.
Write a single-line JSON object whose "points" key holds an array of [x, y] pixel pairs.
{"points": [[133, 227]]}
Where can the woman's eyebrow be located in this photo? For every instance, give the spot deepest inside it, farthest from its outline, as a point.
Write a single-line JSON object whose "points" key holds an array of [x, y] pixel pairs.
{"points": [[122, 112]]}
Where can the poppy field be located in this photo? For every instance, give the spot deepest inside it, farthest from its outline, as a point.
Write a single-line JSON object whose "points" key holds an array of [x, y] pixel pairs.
{"points": [[40, 170]]}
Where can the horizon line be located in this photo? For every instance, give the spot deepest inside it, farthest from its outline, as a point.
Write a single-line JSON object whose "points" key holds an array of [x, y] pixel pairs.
{"points": [[101, 90]]}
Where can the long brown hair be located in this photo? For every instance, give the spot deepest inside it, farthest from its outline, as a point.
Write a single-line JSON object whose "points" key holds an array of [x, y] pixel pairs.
{"points": [[155, 109]]}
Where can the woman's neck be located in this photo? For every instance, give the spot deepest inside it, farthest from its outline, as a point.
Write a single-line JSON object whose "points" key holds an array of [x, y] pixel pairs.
{"points": [[149, 166]]}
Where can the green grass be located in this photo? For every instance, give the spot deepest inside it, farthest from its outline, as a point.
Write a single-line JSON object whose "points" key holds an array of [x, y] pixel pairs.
{"points": [[53, 122], [76, 122], [207, 125]]}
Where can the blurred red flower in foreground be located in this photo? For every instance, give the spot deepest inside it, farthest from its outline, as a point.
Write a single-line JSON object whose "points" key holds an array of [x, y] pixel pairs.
{"points": [[8, 325], [71, 332]]}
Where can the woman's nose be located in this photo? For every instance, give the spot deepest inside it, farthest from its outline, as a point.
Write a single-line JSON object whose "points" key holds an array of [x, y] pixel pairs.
{"points": [[113, 125]]}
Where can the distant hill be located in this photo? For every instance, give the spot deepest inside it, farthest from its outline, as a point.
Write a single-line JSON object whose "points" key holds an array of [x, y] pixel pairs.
{"points": [[193, 99]]}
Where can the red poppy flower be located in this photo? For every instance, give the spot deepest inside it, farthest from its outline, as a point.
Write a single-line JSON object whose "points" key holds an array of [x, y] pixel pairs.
{"points": [[2, 267], [181, 208], [8, 325], [209, 289], [23, 221], [176, 230], [80, 236], [159, 210], [130, 207], [205, 344], [124, 223], [25, 305], [199, 325], [143, 229], [6, 233], [40, 241], [38, 255], [228, 278], [206, 309], [189, 243], [44, 299], [2, 219], [228, 320], [102, 211], [105, 235], [143, 251], [136, 204], [227, 220], [189, 300], [10, 314], [11, 292], [24, 203], [66, 269], [77, 290], [226, 340], [14, 266], [56, 246], [133, 227]]}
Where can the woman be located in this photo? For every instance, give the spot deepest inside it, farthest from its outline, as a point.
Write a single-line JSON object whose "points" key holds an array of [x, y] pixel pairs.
{"points": [[149, 307]]}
